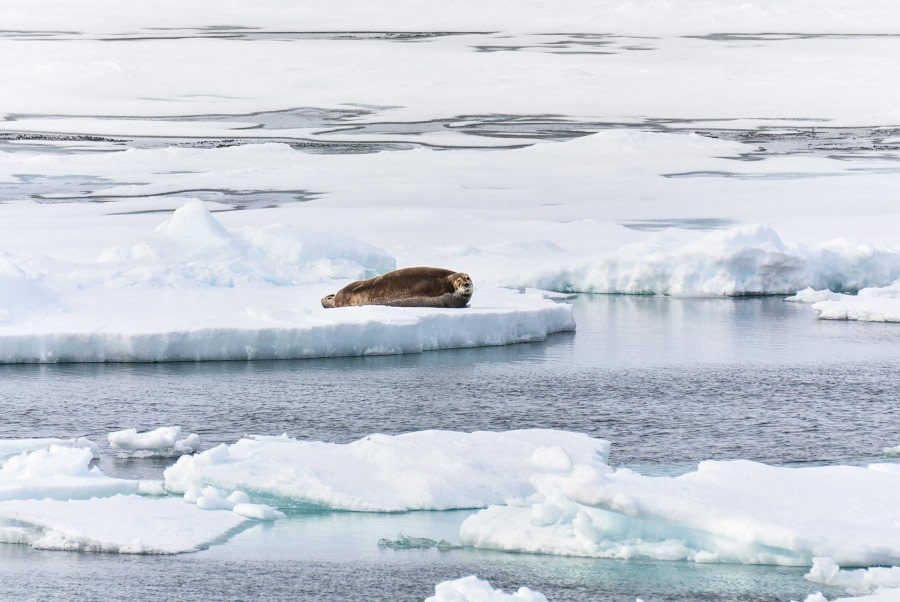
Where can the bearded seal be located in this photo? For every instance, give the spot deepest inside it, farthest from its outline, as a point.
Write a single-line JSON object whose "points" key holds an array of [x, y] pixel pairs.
{"points": [[407, 287]]}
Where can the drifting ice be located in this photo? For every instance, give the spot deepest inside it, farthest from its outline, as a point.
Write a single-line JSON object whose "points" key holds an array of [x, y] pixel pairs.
{"points": [[425, 470], [164, 441]]}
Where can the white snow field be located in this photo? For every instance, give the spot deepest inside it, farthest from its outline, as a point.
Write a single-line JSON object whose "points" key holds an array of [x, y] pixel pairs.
{"points": [[424, 470], [725, 511], [473, 589]]}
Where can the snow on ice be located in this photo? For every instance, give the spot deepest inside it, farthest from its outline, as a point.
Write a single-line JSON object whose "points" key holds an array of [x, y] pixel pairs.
{"points": [[194, 291], [425, 470]]}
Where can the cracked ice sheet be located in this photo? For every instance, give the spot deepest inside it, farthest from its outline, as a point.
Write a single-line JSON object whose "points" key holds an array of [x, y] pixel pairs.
{"points": [[737, 511], [127, 524]]}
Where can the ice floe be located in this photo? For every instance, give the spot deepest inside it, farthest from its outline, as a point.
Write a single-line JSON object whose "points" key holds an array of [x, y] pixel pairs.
{"points": [[872, 304], [213, 294], [425, 470], [735, 511], [164, 441], [58, 472], [127, 524], [859, 581], [14, 447], [473, 589]]}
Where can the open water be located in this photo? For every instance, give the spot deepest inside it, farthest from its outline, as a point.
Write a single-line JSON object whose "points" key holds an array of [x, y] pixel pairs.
{"points": [[669, 381]]}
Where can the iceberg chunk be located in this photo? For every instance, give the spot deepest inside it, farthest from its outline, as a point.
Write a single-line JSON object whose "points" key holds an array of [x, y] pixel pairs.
{"points": [[473, 589]]}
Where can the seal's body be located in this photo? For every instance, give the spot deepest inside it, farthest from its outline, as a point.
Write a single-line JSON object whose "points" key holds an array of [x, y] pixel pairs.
{"points": [[408, 287]]}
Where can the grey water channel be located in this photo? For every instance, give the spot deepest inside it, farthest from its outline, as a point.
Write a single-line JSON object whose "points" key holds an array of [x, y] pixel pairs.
{"points": [[668, 381]]}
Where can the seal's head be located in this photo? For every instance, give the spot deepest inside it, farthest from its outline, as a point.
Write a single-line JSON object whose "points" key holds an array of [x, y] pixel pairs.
{"points": [[328, 301], [462, 285]]}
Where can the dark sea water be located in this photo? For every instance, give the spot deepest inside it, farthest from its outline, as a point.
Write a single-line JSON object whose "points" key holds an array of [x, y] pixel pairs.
{"points": [[669, 381]]}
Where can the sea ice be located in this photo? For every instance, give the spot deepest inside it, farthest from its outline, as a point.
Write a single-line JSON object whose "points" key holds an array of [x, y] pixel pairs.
{"points": [[164, 441], [201, 292], [14, 447], [736, 511], [425, 470], [57, 472], [127, 524], [872, 304], [857, 582], [473, 589]]}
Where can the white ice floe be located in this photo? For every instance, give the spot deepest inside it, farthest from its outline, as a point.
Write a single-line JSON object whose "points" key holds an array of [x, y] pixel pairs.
{"points": [[14, 447], [873, 304], [164, 441], [735, 511], [58, 472], [473, 589], [883, 595], [893, 451], [205, 293], [127, 524], [425, 470], [857, 582]]}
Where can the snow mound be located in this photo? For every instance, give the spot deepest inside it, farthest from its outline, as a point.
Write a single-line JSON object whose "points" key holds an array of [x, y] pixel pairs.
{"points": [[162, 442], [745, 260], [14, 447], [473, 589], [861, 581], [737, 511], [873, 304], [126, 524], [58, 472], [425, 470], [192, 248]]}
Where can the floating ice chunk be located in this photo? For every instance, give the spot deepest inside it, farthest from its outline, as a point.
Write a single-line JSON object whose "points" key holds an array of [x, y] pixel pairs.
{"points": [[57, 472], [257, 511], [473, 589], [861, 581], [874, 304], [152, 487], [161, 442], [127, 524], [13, 447], [749, 259], [893, 451], [166, 329], [433, 469], [723, 512]]}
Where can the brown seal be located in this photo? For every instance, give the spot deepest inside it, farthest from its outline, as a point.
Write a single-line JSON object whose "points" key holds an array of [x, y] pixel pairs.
{"points": [[408, 287]]}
